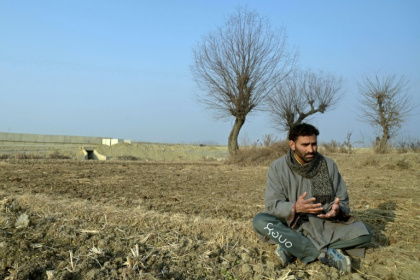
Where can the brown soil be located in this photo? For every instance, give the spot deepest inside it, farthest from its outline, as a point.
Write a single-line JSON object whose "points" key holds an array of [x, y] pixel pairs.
{"points": [[67, 219]]}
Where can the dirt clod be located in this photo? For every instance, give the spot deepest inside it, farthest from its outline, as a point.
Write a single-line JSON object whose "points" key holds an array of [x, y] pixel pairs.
{"points": [[22, 221]]}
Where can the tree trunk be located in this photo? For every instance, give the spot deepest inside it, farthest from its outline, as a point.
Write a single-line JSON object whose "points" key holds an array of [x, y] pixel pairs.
{"points": [[233, 136], [384, 142]]}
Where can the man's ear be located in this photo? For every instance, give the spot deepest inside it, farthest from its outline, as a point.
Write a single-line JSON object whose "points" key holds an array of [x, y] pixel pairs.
{"points": [[292, 145]]}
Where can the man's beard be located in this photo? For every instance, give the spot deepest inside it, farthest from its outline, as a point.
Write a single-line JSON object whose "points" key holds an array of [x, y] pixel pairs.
{"points": [[306, 157]]}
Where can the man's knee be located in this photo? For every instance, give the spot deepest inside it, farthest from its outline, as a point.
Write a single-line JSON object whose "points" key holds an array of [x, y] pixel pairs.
{"points": [[366, 239], [260, 221], [370, 232]]}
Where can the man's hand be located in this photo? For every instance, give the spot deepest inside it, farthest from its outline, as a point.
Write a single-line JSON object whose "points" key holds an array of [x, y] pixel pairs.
{"points": [[335, 208], [306, 205]]}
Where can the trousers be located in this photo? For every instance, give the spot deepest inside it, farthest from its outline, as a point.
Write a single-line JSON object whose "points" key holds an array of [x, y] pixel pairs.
{"points": [[275, 230]]}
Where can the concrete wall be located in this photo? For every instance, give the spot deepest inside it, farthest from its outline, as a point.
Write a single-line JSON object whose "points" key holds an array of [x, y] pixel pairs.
{"points": [[113, 141], [20, 138], [94, 155]]}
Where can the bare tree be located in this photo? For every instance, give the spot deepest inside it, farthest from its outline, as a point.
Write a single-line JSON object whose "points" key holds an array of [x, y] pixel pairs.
{"points": [[385, 104], [302, 95], [237, 66]]}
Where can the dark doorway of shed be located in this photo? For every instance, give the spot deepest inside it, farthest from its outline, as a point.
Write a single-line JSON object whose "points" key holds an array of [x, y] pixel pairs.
{"points": [[90, 154]]}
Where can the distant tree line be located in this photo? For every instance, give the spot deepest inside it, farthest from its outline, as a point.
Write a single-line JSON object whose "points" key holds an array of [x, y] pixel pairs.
{"points": [[245, 66]]}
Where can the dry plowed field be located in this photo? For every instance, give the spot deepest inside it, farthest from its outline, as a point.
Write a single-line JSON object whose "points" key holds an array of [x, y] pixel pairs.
{"points": [[68, 219]]}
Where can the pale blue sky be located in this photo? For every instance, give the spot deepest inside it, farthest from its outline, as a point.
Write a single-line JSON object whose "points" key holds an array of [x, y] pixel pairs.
{"points": [[121, 68]]}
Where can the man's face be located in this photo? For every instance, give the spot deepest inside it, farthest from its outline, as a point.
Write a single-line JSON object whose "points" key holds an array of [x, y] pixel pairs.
{"points": [[305, 148]]}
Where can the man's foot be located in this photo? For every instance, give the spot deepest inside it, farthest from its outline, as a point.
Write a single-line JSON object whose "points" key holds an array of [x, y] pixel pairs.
{"points": [[336, 258], [285, 257]]}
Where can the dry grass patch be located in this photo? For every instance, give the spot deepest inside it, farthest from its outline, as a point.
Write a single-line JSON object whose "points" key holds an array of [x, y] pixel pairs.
{"points": [[137, 220], [259, 155]]}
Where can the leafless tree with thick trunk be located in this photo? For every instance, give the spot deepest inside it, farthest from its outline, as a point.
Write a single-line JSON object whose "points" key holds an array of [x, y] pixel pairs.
{"points": [[237, 66], [385, 104], [303, 94]]}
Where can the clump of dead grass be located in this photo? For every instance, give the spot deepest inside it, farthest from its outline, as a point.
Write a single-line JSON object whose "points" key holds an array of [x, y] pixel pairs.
{"points": [[408, 145], [21, 156], [334, 147], [370, 161], [127, 158], [259, 155], [56, 154]]}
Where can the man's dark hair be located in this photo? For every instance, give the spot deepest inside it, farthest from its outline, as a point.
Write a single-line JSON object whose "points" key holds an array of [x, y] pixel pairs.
{"points": [[302, 129]]}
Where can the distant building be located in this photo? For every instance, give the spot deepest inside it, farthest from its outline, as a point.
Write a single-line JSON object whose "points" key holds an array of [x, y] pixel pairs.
{"points": [[113, 141]]}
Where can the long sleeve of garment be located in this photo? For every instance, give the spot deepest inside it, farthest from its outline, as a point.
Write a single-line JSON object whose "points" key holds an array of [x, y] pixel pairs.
{"points": [[277, 196], [340, 188], [283, 188]]}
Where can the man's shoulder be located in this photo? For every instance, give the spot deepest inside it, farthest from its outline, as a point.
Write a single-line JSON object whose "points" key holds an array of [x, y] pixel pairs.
{"points": [[279, 162], [329, 160]]}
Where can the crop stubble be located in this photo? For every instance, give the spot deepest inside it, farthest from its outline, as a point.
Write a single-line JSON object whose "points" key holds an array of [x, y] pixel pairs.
{"points": [[191, 220]]}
